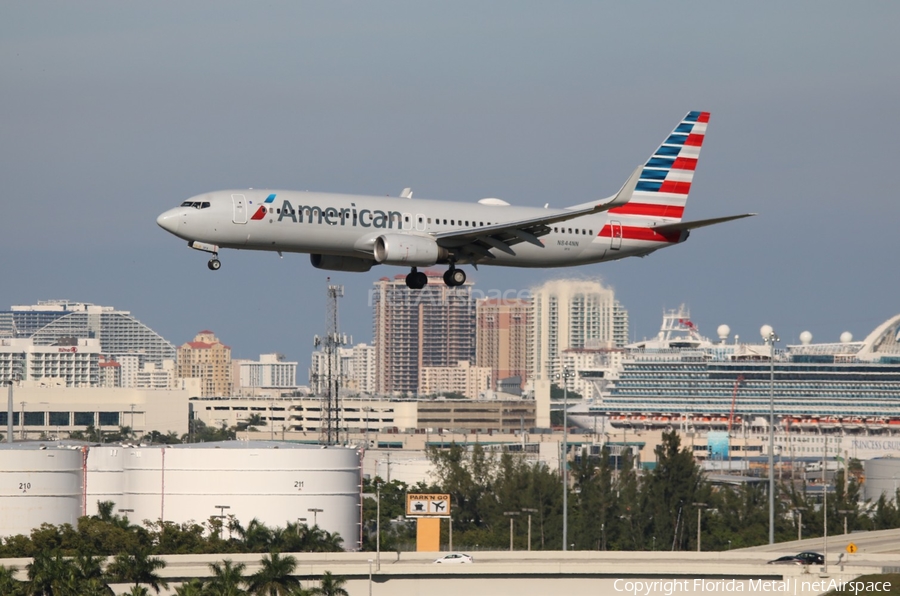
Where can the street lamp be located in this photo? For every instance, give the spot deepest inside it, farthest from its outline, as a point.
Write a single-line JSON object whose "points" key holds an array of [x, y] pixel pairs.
{"points": [[127, 511], [529, 512], [512, 515], [845, 513], [799, 511], [769, 337], [699, 507], [221, 516], [370, 577], [315, 511], [565, 376]]}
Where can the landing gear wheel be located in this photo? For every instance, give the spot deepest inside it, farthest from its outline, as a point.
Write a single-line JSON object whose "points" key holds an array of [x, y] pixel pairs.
{"points": [[454, 277], [416, 280], [214, 264]]}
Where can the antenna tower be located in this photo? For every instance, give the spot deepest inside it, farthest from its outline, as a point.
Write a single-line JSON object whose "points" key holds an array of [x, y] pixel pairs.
{"points": [[330, 344]]}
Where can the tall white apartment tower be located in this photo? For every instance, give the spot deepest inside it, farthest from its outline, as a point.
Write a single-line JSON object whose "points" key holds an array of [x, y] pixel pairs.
{"points": [[572, 313]]}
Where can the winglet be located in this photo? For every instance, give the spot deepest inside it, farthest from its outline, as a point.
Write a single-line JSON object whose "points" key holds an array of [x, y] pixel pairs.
{"points": [[624, 194]]}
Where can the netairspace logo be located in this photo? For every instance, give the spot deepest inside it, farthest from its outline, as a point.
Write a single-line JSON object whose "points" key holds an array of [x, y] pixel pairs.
{"points": [[719, 586]]}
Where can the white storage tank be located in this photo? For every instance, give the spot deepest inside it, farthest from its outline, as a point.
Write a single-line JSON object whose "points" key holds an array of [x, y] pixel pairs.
{"points": [[104, 478], [39, 483], [882, 478], [274, 482]]}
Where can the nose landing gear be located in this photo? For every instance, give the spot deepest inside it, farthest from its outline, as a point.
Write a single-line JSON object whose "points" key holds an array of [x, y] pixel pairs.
{"points": [[214, 264], [416, 280]]}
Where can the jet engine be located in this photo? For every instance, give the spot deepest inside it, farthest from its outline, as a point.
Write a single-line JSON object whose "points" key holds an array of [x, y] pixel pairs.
{"points": [[335, 263], [408, 250]]}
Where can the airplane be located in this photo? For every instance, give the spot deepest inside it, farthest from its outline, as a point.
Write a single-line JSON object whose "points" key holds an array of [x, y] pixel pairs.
{"points": [[344, 232]]}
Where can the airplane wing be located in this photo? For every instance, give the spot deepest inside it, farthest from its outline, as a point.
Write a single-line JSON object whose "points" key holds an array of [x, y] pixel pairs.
{"points": [[478, 241], [698, 223]]}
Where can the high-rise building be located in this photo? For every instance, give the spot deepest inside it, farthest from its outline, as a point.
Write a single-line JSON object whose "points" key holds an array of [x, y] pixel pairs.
{"points": [[110, 373], [502, 327], [70, 363], [119, 332], [463, 379], [356, 374], [272, 371], [572, 313], [207, 359], [434, 326]]}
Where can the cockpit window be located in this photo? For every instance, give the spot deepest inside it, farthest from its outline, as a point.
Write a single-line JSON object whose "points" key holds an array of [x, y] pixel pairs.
{"points": [[187, 204], [204, 205], [196, 204]]}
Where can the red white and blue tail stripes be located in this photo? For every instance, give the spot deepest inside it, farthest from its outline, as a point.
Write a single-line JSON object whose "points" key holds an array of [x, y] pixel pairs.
{"points": [[665, 181]]}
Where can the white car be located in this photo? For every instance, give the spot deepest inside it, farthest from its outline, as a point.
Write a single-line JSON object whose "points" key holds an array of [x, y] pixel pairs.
{"points": [[455, 558]]}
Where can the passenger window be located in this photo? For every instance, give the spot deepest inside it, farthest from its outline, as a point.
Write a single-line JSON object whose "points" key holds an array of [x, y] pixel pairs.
{"points": [[570, 230], [271, 210], [452, 222], [429, 220], [445, 222], [481, 223], [591, 231], [576, 230], [467, 222], [554, 230]]}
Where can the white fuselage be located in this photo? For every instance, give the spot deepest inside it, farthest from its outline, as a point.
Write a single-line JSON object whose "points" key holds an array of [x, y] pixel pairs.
{"points": [[348, 225]]}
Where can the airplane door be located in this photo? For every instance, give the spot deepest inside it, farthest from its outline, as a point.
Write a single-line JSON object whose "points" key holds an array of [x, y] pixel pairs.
{"points": [[407, 221], [240, 209], [615, 240]]}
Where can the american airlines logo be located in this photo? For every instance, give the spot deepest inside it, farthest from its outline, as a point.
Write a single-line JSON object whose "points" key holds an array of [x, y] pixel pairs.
{"points": [[365, 218], [72, 350]]}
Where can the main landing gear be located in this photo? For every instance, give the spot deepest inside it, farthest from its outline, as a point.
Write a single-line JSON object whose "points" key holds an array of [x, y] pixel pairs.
{"points": [[453, 277], [214, 264], [416, 280]]}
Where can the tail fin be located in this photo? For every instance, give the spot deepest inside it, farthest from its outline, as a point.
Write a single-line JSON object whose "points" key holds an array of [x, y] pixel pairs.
{"points": [[665, 181]]}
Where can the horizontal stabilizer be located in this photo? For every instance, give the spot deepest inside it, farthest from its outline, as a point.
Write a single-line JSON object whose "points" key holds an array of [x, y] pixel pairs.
{"points": [[690, 225]]}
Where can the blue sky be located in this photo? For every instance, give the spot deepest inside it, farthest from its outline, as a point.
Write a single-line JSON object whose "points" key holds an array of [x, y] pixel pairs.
{"points": [[112, 112]]}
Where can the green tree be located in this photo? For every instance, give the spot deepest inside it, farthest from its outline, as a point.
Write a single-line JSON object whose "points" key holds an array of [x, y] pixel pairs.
{"points": [[193, 587], [138, 566], [8, 582], [275, 577], [672, 489], [227, 579], [330, 585], [50, 574]]}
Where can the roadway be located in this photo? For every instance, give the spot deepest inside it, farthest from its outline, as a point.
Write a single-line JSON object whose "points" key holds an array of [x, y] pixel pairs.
{"points": [[522, 573]]}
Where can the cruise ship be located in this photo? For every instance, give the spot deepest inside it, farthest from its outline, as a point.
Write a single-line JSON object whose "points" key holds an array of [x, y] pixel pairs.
{"points": [[848, 390]]}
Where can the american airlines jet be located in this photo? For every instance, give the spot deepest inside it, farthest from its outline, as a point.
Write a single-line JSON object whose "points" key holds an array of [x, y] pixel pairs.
{"points": [[355, 232]]}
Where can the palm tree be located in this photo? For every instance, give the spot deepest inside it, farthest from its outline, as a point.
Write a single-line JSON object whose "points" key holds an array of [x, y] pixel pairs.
{"points": [[49, 574], [138, 591], [8, 582], [274, 577], [227, 579], [191, 588], [257, 536], [139, 567], [89, 575], [330, 586]]}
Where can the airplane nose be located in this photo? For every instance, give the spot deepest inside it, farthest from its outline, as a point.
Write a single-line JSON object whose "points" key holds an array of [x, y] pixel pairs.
{"points": [[168, 221]]}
